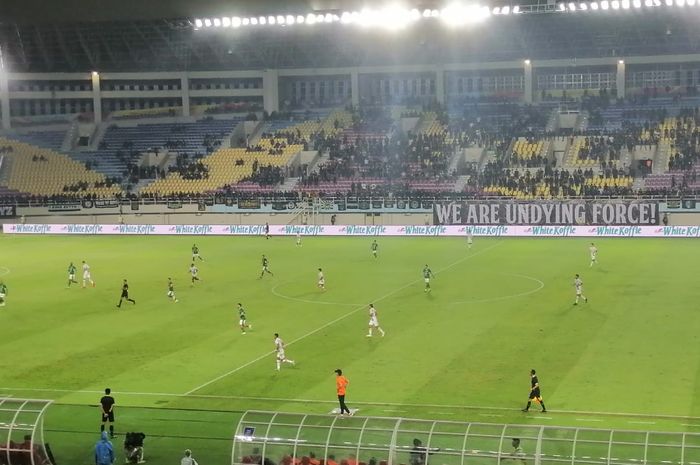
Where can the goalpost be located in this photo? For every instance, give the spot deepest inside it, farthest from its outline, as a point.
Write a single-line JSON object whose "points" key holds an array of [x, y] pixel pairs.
{"points": [[22, 432]]}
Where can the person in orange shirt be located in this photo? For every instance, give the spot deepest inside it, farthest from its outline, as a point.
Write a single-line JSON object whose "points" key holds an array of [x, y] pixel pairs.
{"points": [[341, 383]]}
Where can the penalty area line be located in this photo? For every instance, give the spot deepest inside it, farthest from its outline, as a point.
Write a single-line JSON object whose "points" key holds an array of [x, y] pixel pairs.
{"points": [[332, 322]]}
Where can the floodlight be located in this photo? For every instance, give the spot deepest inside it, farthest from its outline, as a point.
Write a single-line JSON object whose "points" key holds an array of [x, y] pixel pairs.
{"points": [[572, 6], [434, 13], [669, 2], [290, 19], [346, 17], [505, 10], [281, 20], [648, 3], [329, 18], [582, 6], [207, 22], [262, 20], [226, 21], [615, 4], [311, 19], [657, 2], [594, 6], [516, 9], [680, 2], [236, 21], [95, 73], [253, 21], [426, 13], [637, 3], [690, 2], [625, 4], [527, 62], [497, 10], [198, 23], [415, 14], [217, 22], [620, 62], [562, 7]]}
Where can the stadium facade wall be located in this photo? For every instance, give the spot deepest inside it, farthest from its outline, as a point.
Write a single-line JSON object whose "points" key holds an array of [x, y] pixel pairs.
{"points": [[31, 94]]}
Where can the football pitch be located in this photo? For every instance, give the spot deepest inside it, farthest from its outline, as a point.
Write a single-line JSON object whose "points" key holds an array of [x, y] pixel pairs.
{"points": [[182, 373]]}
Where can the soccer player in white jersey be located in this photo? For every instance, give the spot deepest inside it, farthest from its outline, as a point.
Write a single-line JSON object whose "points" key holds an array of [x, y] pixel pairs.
{"points": [[578, 284], [194, 271], [374, 321], [470, 239], [321, 280], [594, 253], [87, 278], [298, 239], [279, 348]]}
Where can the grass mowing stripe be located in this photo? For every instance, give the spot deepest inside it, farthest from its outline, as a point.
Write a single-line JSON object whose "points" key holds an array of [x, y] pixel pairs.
{"points": [[340, 318]]}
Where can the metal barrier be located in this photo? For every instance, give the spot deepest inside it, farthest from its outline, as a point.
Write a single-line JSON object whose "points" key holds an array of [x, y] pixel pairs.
{"points": [[22, 432], [270, 438]]}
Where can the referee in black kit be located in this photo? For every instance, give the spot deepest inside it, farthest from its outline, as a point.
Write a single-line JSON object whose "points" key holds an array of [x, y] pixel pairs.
{"points": [[125, 295], [535, 393], [107, 406]]}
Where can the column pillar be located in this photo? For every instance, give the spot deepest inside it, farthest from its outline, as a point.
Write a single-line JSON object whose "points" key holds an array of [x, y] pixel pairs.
{"points": [[5, 99], [271, 98], [620, 80], [96, 98], [440, 85], [355, 88], [527, 82], [185, 94]]}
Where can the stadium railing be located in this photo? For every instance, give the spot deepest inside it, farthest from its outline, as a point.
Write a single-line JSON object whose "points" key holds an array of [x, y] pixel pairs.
{"points": [[287, 438]]}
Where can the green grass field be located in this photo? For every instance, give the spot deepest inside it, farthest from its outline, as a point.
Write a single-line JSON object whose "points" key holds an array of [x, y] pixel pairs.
{"points": [[183, 372]]}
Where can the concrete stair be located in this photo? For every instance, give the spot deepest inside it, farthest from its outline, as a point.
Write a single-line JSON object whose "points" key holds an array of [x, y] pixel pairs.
{"points": [[313, 168], [461, 183], [661, 157], [289, 184]]}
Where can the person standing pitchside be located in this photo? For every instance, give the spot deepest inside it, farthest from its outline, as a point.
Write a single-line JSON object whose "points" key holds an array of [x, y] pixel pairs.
{"points": [[107, 406], [341, 384]]}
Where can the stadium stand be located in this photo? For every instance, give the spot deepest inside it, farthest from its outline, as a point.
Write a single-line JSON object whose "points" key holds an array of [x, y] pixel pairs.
{"points": [[363, 151], [121, 146], [224, 168], [44, 172]]}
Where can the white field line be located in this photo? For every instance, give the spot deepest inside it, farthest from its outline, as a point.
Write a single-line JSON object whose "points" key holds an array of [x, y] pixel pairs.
{"points": [[332, 322], [4, 270], [393, 405]]}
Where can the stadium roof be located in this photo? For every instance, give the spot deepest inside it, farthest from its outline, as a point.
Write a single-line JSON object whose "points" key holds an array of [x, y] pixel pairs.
{"points": [[158, 44], [102, 10]]}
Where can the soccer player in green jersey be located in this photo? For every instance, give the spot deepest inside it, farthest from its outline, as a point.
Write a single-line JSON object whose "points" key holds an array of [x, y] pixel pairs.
{"points": [[427, 274], [3, 293], [71, 274], [171, 290], [241, 319], [375, 248], [195, 252], [265, 267]]}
